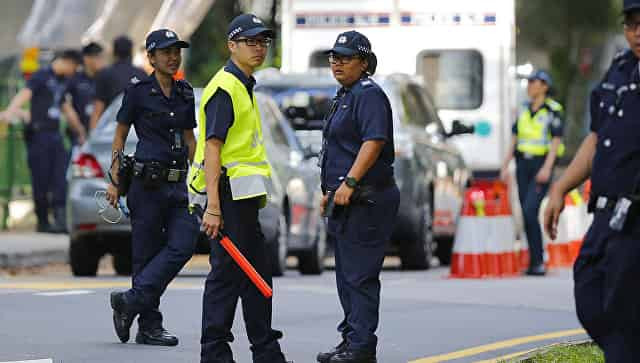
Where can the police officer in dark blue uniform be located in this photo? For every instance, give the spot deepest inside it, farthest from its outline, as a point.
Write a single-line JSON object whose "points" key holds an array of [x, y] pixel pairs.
{"points": [[361, 198], [46, 154], [536, 145], [82, 87], [164, 233], [607, 270], [112, 80]]}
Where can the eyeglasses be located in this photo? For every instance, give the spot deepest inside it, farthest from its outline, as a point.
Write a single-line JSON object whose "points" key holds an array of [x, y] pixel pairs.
{"points": [[252, 42], [631, 25], [339, 59]]}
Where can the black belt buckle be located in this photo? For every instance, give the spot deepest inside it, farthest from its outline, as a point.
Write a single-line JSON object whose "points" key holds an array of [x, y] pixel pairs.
{"points": [[174, 175]]}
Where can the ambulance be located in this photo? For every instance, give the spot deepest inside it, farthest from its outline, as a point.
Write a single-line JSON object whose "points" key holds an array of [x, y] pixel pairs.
{"points": [[462, 50]]}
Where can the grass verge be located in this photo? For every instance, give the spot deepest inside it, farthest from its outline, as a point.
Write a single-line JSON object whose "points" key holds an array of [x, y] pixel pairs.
{"points": [[563, 353]]}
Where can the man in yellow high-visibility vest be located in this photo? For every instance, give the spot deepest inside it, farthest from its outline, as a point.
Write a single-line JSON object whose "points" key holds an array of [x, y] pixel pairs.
{"points": [[536, 145], [228, 182]]}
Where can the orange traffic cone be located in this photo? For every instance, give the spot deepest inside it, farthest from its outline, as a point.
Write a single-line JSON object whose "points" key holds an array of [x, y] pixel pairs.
{"points": [[467, 260]]}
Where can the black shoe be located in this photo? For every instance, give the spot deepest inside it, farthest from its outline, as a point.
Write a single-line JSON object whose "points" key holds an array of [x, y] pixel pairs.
{"points": [[157, 336], [354, 356], [326, 356], [122, 315], [536, 271], [60, 218]]}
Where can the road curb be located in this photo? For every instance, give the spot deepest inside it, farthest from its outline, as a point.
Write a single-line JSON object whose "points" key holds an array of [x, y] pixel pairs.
{"points": [[26, 250], [33, 259], [526, 357]]}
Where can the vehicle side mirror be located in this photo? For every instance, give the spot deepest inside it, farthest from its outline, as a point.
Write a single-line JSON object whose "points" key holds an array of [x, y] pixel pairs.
{"points": [[458, 128]]}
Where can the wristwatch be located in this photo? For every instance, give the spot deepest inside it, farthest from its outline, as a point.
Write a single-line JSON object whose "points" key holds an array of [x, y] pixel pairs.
{"points": [[351, 182]]}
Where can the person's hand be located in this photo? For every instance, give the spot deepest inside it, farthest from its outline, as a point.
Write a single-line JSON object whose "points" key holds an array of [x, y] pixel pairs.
{"points": [[212, 224], [343, 195], [82, 138], [555, 205], [504, 174], [323, 203], [543, 176], [112, 195]]}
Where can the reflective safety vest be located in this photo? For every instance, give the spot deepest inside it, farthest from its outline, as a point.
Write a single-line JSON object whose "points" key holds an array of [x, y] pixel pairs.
{"points": [[243, 154], [534, 133]]}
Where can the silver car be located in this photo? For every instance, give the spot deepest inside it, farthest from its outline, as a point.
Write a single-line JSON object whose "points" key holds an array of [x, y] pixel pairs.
{"points": [[291, 220]]}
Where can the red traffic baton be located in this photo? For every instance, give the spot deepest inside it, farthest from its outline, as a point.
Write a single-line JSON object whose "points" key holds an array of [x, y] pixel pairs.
{"points": [[246, 266]]}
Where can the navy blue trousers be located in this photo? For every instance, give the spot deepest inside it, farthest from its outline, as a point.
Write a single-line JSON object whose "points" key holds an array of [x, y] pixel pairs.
{"points": [[360, 235], [164, 237], [531, 194], [227, 283], [606, 276], [47, 160]]}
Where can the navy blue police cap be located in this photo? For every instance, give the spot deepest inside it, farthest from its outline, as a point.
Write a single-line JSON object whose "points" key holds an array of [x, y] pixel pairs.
{"points": [[164, 38], [631, 5], [351, 43], [248, 25], [541, 76], [354, 43]]}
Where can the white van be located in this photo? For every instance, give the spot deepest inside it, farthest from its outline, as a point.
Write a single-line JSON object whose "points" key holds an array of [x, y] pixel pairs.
{"points": [[464, 50]]}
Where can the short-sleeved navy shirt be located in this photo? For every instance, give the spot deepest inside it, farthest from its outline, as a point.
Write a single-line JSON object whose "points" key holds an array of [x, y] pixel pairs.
{"points": [[157, 118], [48, 92], [82, 89], [361, 113], [615, 110], [556, 126], [111, 81], [219, 108]]}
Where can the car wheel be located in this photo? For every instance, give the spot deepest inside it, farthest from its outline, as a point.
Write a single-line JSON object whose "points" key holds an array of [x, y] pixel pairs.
{"points": [[279, 248], [311, 262], [444, 250], [84, 255], [417, 254]]}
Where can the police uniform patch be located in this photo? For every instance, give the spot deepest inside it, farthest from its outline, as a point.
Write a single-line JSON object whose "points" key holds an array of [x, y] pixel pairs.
{"points": [[169, 34], [135, 80], [557, 122], [256, 20], [342, 39], [366, 82]]}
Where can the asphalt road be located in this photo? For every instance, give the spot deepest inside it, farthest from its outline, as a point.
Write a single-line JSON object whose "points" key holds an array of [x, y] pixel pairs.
{"points": [[425, 317]]}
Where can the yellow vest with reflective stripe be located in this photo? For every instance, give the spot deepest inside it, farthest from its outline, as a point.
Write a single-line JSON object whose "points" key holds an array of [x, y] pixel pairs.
{"points": [[534, 133], [243, 154]]}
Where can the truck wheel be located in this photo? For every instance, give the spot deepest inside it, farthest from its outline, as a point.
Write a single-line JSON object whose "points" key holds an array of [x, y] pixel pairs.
{"points": [[312, 262], [416, 254], [279, 248], [444, 250], [84, 255]]}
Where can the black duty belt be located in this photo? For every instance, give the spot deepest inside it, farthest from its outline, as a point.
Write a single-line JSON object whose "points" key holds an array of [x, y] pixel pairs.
{"points": [[158, 172]]}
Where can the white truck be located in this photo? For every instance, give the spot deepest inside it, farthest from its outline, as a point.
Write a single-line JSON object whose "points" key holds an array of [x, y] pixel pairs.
{"points": [[464, 50]]}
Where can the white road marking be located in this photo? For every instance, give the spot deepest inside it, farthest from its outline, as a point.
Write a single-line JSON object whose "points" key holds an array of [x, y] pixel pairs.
{"points": [[64, 293], [32, 361]]}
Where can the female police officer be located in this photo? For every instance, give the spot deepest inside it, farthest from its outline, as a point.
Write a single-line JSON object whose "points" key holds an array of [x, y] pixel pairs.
{"points": [[607, 271], [163, 231], [357, 175]]}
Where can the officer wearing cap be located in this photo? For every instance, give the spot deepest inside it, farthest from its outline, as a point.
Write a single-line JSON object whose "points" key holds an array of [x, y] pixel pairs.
{"points": [[82, 87], [357, 176], [46, 155], [163, 232], [111, 81], [536, 145], [607, 271], [227, 185]]}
